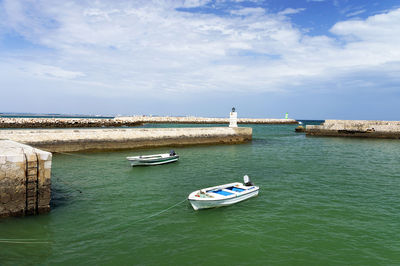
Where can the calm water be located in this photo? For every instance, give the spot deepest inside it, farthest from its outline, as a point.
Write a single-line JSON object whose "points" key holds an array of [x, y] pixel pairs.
{"points": [[322, 201]]}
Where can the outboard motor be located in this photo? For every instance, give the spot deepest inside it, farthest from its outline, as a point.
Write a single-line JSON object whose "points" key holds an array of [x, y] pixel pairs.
{"points": [[172, 153], [247, 182]]}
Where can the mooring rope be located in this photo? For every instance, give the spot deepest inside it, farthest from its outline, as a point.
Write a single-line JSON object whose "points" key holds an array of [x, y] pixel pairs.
{"points": [[20, 241], [71, 154], [67, 184], [158, 213], [33, 240]]}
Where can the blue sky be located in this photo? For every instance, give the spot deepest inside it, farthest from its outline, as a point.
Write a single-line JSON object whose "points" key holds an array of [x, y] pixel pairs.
{"points": [[316, 59]]}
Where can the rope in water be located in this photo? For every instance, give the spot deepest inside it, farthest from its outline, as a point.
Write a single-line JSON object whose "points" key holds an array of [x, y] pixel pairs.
{"points": [[155, 214], [158, 213], [33, 240], [20, 241], [71, 154], [65, 183]]}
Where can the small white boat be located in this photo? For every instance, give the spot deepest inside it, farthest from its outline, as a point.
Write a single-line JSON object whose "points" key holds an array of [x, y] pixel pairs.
{"points": [[223, 195], [154, 159]]}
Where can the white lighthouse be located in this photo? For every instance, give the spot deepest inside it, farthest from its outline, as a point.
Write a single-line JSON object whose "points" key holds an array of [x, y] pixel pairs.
{"points": [[233, 118]]}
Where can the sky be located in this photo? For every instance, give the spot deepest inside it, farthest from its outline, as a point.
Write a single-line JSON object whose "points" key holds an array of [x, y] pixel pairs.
{"points": [[315, 59]]}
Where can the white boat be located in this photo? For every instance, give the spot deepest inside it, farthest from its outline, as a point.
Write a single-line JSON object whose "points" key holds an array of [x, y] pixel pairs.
{"points": [[154, 159], [223, 195]]}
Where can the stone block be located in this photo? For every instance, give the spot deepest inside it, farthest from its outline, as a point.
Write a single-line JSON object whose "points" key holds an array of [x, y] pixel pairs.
{"points": [[31, 186], [47, 164], [18, 158], [32, 172], [19, 186], [4, 198], [32, 164]]}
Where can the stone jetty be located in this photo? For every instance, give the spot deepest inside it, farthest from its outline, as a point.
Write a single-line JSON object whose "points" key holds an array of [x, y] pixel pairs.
{"points": [[72, 140], [131, 121], [24, 179], [356, 128], [7, 122], [202, 120]]}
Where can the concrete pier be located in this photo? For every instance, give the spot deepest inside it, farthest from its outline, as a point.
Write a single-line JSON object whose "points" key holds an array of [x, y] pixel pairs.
{"points": [[356, 128], [71, 140], [24, 179]]}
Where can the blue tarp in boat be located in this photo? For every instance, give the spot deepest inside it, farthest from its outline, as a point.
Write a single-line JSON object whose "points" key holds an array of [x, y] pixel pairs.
{"points": [[236, 189], [221, 192]]}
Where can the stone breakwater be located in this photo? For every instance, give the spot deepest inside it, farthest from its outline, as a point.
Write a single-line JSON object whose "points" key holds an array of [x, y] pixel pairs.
{"points": [[356, 128], [6, 122], [72, 140], [24, 179], [202, 120]]}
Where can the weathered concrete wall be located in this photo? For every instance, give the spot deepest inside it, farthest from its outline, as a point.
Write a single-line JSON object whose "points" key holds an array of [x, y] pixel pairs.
{"points": [[203, 120], [24, 179], [69, 140], [63, 122], [356, 128]]}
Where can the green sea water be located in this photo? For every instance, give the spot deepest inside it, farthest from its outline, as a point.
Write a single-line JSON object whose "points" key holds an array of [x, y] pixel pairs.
{"points": [[322, 201]]}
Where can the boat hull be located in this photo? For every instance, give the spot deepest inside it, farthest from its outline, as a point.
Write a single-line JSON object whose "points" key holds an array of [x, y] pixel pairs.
{"points": [[199, 204], [137, 161]]}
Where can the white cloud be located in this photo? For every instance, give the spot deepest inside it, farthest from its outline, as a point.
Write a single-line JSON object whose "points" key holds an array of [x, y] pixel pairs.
{"points": [[289, 11], [51, 71], [249, 11], [382, 28], [195, 3], [355, 13], [153, 49]]}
